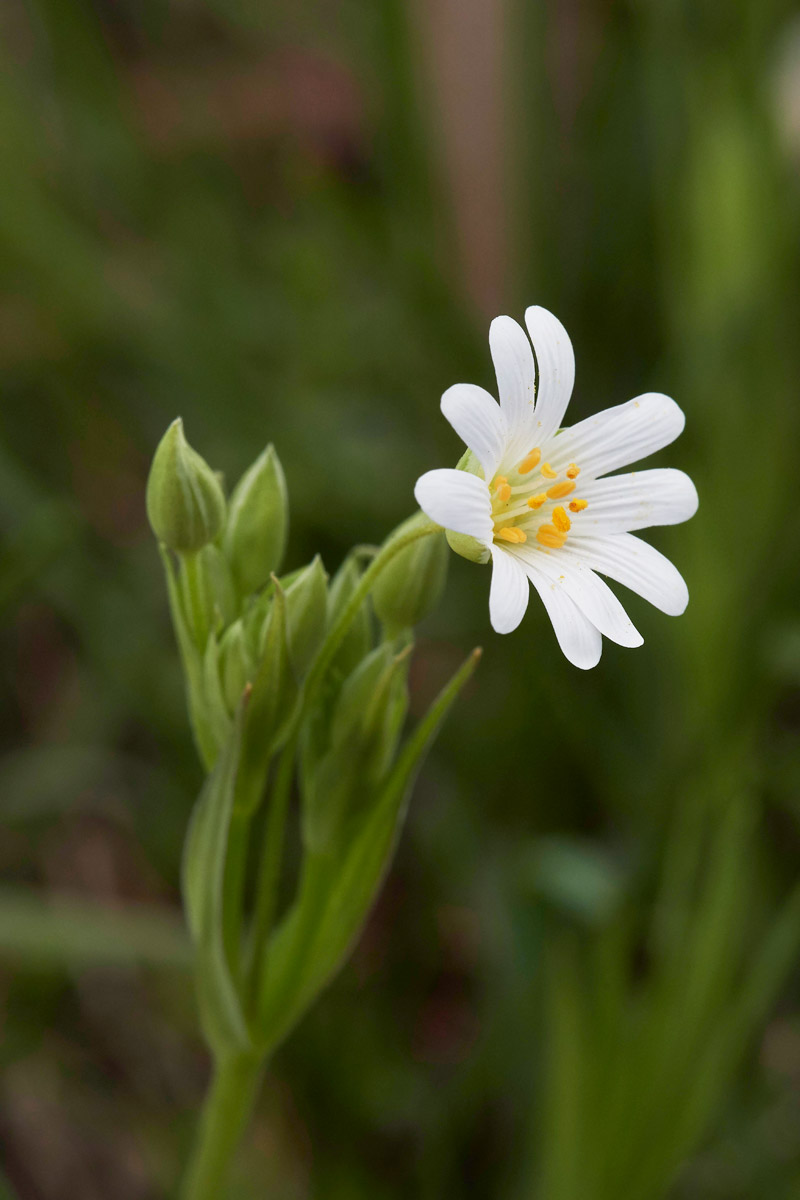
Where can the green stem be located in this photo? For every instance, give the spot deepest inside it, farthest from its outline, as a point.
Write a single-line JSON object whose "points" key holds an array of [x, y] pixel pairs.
{"points": [[194, 589], [225, 1115]]}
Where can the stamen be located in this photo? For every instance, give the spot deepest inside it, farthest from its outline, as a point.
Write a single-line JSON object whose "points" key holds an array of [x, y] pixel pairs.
{"points": [[499, 480], [561, 520], [578, 505], [503, 493], [559, 490], [548, 471], [573, 471], [538, 500], [529, 462], [548, 535], [512, 534]]}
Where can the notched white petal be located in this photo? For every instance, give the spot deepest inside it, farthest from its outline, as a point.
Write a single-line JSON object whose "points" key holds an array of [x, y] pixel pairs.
{"points": [[456, 500], [477, 419], [618, 436], [508, 595], [621, 503], [555, 360], [516, 376], [593, 597], [636, 565], [580, 641]]}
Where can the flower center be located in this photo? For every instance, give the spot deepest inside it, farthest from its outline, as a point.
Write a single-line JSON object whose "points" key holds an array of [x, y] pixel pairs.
{"points": [[525, 503]]}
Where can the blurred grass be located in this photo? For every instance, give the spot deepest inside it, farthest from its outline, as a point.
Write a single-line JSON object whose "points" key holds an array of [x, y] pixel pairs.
{"points": [[581, 980]]}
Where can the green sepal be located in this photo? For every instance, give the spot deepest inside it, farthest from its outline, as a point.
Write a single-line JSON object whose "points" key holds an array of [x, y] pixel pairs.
{"points": [[337, 892], [461, 543], [411, 585], [185, 502], [203, 884], [306, 615], [258, 522]]}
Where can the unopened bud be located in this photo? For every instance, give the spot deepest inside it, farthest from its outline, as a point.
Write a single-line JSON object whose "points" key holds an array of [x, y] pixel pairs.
{"points": [[236, 666], [258, 515], [411, 585], [306, 614], [357, 642], [185, 503]]}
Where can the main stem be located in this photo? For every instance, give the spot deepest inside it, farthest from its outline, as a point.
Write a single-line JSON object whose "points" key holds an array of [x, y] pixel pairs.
{"points": [[225, 1115]]}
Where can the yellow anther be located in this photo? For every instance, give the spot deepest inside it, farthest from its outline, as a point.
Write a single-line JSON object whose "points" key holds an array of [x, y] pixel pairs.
{"points": [[537, 501], [512, 534], [499, 480], [560, 519], [548, 535], [559, 490], [573, 471], [548, 471], [503, 493], [529, 462], [578, 505]]}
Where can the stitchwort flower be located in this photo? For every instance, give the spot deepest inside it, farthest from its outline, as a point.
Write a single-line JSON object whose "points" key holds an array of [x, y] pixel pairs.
{"points": [[539, 499]]}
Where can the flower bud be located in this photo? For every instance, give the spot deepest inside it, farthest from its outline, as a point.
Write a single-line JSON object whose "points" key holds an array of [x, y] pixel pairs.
{"points": [[185, 503], [236, 666], [412, 583], [357, 642], [364, 732], [306, 615], [255, 535]]}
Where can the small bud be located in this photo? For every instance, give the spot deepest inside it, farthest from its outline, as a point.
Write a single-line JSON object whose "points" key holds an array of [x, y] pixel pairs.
{"points": [[363, 738], [236, 666], [357, 641], [306, 615], [255, 535], [412, 583], [185, 503]]}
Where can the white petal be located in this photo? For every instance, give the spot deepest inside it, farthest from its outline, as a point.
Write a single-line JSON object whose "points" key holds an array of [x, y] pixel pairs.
{"points": [[478, 421], [580, 641], [555, 360], [457, 501], [618, 436], [620, 503], [516, 380], [508, 596], [637, 566], [593, 597]]}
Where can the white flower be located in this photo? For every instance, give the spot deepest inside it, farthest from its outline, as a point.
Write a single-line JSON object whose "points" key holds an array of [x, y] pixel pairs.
{"points": [[545, 508]]}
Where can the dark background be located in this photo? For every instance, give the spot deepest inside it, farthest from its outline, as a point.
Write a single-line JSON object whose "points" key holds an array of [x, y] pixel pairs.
{"points": [[292, 222]]}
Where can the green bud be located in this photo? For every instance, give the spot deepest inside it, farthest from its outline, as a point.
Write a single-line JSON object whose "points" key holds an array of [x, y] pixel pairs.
{"points": [[366, 725], [306, 615], [236, 665], [185, 503], [412, 583], [357, 641], [258, 516]]}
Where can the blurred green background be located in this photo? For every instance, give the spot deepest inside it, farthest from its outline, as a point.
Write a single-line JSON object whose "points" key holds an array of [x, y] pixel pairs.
{"points": [[292, 222]]}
